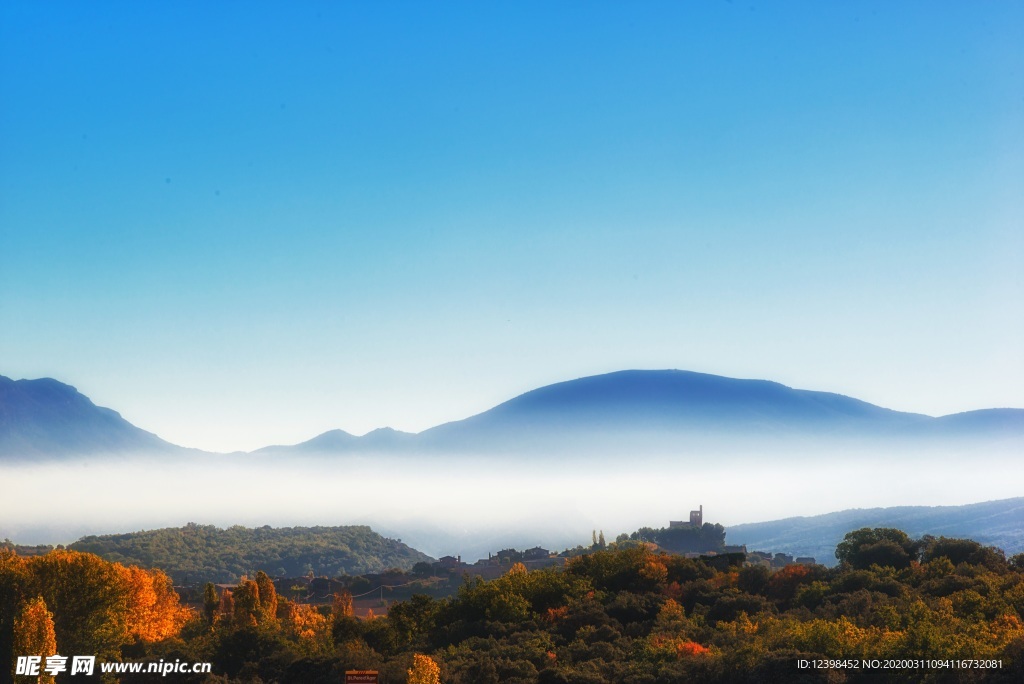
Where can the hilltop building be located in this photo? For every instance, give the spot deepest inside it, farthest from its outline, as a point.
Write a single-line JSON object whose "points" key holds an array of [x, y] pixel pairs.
{"points": [[696, 520]]}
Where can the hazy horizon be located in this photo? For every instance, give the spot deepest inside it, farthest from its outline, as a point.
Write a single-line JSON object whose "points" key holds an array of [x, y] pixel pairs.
{"points": [[447, 506]]}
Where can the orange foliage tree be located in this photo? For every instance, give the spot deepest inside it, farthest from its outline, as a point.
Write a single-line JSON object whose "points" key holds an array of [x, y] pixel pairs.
{"points": [[309, 626], [154, 612], [268, 597], [342, 606], [14, 580], [34, 635], [424, 670], [784, 583]]}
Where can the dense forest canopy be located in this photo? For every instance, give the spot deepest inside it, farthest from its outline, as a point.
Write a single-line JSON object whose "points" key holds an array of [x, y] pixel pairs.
{"points": [[625, 614], [684, 538]]}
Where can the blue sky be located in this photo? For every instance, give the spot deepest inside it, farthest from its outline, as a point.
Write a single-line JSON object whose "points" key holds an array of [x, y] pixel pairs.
{"points": [[243, 223]]}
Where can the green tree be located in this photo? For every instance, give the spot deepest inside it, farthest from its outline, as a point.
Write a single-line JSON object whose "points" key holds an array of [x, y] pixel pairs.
{"points": [[1016, 561], [883, 546], [90, 600], [963, 551], [210, 602], [753, 579]]}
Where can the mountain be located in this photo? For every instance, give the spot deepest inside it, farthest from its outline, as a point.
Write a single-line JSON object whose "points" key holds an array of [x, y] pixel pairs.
{"points": [[381, 439], [993, 523], [664, 411], [48, 418], [634, 411], [649, 405]]}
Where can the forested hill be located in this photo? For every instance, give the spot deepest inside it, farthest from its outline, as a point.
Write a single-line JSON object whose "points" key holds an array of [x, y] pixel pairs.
{"points": [[204, 553]]}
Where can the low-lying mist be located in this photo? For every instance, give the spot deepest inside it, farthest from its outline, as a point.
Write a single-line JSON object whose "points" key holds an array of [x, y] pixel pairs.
{"points": [[465, 506]]}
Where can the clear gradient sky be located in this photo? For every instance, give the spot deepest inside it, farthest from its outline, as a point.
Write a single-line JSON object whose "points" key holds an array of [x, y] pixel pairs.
{"points": [[246, 223]]}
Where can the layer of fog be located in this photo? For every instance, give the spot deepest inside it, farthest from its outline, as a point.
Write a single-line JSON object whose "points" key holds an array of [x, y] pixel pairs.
{"points": [[463, 507]]}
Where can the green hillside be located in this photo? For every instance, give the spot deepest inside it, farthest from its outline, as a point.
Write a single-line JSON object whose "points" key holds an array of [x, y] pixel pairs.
{"points": [[204, 553]]}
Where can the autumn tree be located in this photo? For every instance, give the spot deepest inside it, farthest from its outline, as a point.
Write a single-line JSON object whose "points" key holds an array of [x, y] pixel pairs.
{"points": [[424, 670], [308, 626], [246, 603], [268, 597], [34, 633], [89, 598], [227, 603], [14, 579], [344, 625], [517, 569], [342, 605], [154, 611]]}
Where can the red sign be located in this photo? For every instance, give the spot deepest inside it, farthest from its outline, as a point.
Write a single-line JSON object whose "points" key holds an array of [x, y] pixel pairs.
{"points": [[361, 677]]}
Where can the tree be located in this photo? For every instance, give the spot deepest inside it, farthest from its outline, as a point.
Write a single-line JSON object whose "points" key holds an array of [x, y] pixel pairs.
{"points": [[424, 670], [883, 546], [268, 597], [342, 606], [90, 600], [963, 551], [210, 602], [14, 580], [227, 602], [34, 634], [154, 611], [309, 625], [600, 540], [247, 603], [344, 625], [1016, 561], [753, 579]]}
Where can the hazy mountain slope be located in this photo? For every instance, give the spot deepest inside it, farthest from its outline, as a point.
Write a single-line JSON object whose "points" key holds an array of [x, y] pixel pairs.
{"points": [[635, 411], [995, 423], [48, 418], [676, 409], [381, 439], [207, 553], [995, 523]]}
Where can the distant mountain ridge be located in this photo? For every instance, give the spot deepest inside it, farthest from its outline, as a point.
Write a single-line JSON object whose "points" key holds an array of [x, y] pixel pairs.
{"points": [[45, 418], [993, 523], [635, 409], [652, 408]]}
